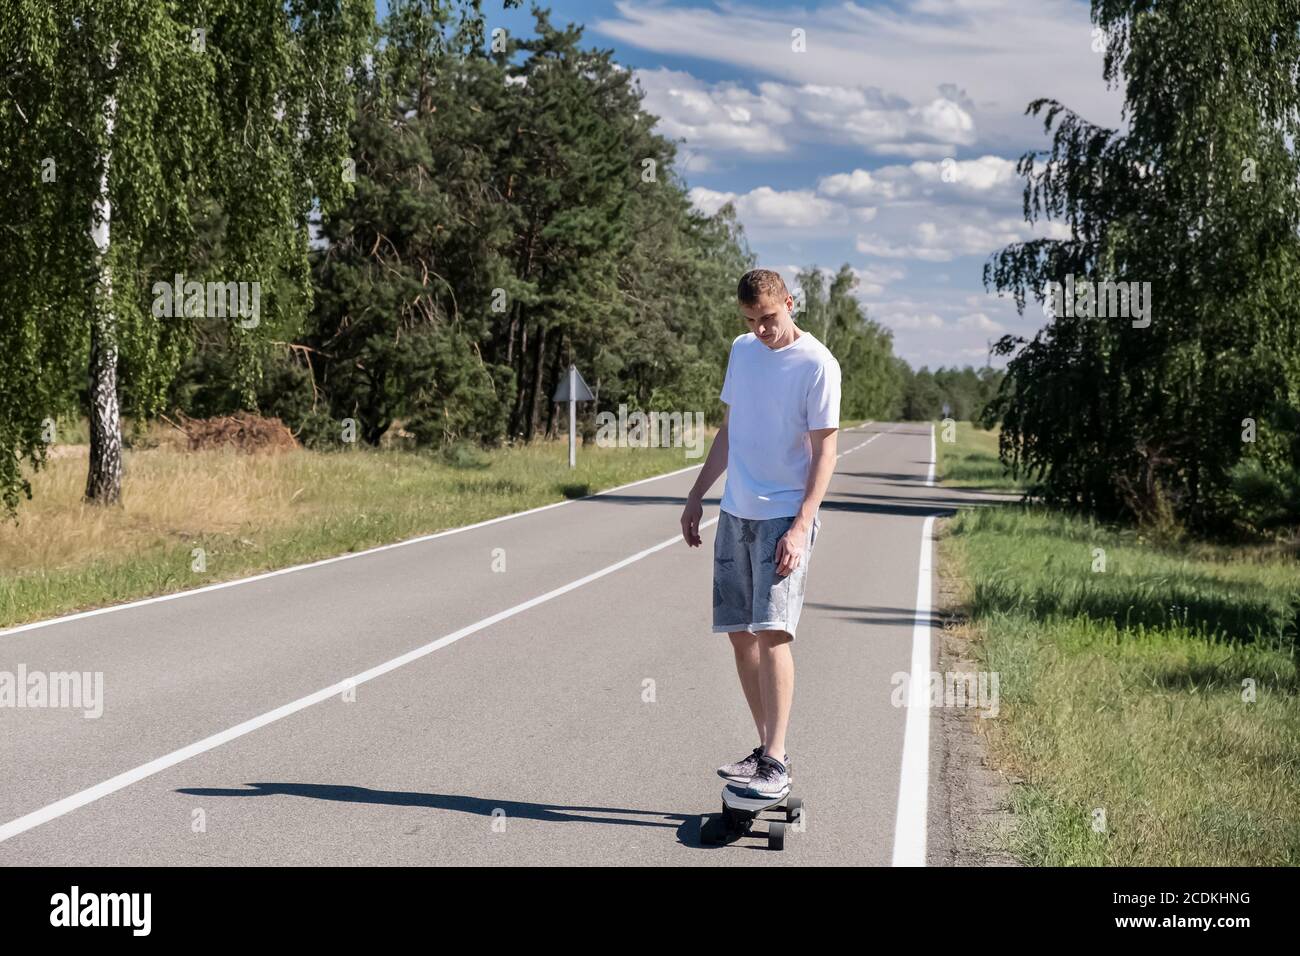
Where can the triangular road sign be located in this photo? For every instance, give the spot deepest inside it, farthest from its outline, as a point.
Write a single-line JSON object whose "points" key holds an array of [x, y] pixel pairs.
{"points": [[583, 393]]}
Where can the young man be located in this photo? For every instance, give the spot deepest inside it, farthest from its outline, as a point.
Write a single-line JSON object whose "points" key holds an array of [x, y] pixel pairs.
{"points": [[777, 445]]}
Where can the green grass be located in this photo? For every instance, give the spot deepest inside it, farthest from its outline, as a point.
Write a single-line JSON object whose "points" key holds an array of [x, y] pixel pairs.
{"points": [[257, 513], [1122, 689], [971, 459]]}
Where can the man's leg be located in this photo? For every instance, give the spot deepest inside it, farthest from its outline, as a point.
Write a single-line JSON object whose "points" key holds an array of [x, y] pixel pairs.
{"points": [[776, 685], [746, 647]]}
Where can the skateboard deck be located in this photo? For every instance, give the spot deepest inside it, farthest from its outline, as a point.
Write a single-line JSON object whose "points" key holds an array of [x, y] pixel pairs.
{"points": [[734, 796], [739, 813]]}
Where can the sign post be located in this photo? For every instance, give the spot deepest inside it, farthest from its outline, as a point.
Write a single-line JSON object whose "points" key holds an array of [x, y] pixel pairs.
{"points": [[573, 390]]}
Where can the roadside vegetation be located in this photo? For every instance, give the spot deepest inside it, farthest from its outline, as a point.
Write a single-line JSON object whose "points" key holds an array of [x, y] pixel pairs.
{"points": [[1148, 710], [971, 460]]}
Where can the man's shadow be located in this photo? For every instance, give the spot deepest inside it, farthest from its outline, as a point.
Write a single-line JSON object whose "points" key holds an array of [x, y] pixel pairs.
{"points": [[687, 825]]}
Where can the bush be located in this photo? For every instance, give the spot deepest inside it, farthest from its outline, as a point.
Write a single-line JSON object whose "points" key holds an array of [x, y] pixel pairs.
{"points": [[1265, 500], [465, 455], [320, 431]]}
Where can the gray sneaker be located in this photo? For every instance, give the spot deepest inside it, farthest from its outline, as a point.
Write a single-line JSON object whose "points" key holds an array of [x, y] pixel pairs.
{"points": [[742, 770], [771, 778]]}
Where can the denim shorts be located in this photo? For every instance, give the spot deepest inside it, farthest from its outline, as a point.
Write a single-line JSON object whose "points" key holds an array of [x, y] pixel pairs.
{"points": [[748, 594]]}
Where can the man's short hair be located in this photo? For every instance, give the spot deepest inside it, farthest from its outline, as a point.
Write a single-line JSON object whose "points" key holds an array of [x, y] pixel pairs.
{"points": [[757, 283]]}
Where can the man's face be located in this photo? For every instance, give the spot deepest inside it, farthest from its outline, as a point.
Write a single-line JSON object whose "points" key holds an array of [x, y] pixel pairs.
{"points": [[769, 319]]}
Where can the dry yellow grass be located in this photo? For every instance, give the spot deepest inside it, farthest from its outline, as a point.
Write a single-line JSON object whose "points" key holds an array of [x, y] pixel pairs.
{"points": [[167, 498]]}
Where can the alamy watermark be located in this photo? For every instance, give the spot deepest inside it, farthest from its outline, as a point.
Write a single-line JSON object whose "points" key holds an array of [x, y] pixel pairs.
{"points": [[651, 430], [73, 690], [1081, 298], [964, 689], [128, 910], [213, 300]]}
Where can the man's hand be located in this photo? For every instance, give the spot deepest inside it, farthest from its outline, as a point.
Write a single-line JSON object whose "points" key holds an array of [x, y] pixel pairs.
{"points": [[691, 516], [790, 549]]}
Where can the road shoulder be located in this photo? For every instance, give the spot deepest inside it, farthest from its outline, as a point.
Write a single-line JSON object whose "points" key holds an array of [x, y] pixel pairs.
{"points": [[973, 820]]}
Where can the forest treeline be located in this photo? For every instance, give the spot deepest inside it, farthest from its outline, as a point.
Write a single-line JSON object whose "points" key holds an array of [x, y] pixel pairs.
{"points": [[513, 212], [437, 222]]}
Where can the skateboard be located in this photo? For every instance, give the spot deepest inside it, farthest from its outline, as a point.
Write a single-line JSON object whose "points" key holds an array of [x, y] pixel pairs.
{"points": [[739, 812]]}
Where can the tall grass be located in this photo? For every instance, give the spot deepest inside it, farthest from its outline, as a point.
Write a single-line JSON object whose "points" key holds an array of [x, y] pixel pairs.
{"points": [[971, 459], [1127, 691]]}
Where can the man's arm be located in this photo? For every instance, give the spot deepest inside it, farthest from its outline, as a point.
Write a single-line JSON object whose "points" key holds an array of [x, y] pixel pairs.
{"points": [[716, 462], [714, 465], [824, 441], [791, 548]]}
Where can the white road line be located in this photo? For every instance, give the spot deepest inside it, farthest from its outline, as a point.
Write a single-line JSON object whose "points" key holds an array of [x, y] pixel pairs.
{"points": [[342, 557], [914, 778], [77, 800], [865, 443], [112, 785]]}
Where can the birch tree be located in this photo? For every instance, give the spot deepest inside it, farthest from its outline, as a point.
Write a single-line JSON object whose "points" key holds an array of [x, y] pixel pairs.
{"points": [[144, 140]]}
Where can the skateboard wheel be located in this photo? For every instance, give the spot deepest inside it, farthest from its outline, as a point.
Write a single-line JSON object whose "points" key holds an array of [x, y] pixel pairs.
{"points": [[794, 809], [776, 836]]}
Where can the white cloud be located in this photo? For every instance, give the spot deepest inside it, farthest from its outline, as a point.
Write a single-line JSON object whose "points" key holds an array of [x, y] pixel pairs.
{"points": [[867, 117], [1003, 53], [984, 175], [931, 242], [903, 320], [883, 272], [873, 279], [979, 322], [729, 118], [723, 116], [766, 207], [709, 201], [860, 185], [983, 180]]}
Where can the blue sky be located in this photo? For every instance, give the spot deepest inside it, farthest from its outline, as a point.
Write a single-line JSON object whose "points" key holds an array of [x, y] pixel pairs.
{"points": [[889, 143]]}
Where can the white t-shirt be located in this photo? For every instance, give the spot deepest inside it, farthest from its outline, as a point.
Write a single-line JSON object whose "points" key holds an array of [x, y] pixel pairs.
{"points": [[776, 396]]}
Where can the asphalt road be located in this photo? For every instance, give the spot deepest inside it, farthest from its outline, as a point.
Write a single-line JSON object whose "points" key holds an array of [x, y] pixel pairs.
{"points": [[542, 689]]}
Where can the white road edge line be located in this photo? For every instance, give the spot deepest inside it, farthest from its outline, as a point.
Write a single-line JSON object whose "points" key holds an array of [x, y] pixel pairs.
{"points": [[914, 778], [112, 785]]}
